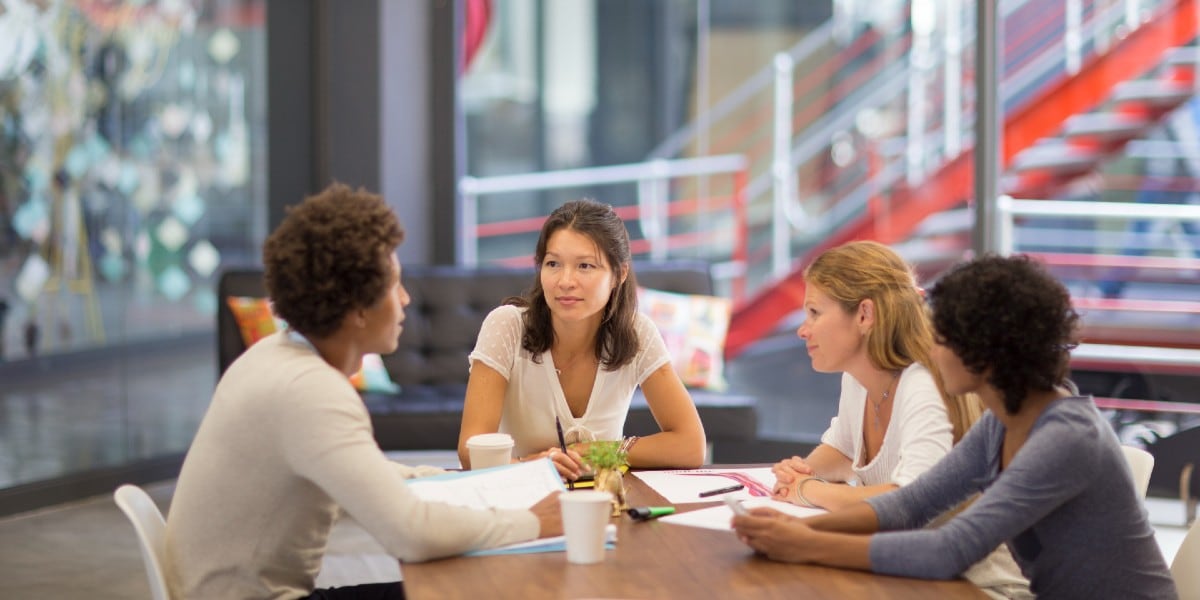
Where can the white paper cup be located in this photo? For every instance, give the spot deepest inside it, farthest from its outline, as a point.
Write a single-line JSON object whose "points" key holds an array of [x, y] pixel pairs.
{"points": [[490, 450], [584, 517]]}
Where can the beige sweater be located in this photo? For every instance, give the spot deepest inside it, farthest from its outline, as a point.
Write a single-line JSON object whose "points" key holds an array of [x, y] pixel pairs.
{"points": [[285, 443]]}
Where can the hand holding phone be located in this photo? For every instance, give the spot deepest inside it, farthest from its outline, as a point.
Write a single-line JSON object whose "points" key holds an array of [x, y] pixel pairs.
{"points": [[736, 506]]}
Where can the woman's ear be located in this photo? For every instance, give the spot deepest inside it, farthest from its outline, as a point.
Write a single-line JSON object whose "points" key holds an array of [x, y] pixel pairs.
{"points": [[624, 275], [866, 315]]}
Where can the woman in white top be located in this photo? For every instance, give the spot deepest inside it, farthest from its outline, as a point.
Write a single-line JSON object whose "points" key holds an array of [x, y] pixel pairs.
{"points": [[571, 352], [865, 316]]}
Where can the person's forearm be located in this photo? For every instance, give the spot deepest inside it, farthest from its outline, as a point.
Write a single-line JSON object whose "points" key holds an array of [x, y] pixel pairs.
{"points": [[669, 449], [835, 496], [856, 518], [828, 463], [843, 550]]}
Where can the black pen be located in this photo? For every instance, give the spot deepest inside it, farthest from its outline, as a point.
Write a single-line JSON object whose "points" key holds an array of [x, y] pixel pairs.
{"points": [[562, 443], [724, 490]]}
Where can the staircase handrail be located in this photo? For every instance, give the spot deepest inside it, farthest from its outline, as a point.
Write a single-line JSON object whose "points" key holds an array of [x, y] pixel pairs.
{"points": [[754, 84], [1008, 209]]}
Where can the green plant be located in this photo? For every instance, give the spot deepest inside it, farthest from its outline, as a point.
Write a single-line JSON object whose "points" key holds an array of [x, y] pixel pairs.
{"points": [[606, 455]]}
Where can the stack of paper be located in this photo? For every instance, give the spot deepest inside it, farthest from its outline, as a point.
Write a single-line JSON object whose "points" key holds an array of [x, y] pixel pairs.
{"points": [[718, 517], [518, 485], [550, 544], [686, 485], [514, 486]]}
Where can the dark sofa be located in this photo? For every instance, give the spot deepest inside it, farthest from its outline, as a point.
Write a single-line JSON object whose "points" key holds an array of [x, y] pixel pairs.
{"points": [[448, 307]]}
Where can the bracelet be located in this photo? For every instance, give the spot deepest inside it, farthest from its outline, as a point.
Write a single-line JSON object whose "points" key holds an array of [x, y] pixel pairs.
{"points": [[627, 443], [800, 495]]}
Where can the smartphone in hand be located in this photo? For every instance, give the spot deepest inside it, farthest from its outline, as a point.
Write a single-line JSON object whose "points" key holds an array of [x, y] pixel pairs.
{"points": [[736, 506]]}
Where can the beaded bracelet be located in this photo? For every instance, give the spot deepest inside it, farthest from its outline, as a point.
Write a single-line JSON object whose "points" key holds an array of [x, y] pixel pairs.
{"points": [[800, 495], [627, 443]]}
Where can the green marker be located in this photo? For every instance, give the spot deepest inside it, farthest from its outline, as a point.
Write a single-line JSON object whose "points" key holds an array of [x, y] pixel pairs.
{"points": [[645, 513]]}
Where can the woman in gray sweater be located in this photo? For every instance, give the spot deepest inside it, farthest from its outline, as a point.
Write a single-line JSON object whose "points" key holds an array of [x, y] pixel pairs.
{"points": [[1044, 469]]}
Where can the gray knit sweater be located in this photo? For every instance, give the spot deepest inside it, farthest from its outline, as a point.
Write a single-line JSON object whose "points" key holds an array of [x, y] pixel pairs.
{"points": [[1065, 505]]}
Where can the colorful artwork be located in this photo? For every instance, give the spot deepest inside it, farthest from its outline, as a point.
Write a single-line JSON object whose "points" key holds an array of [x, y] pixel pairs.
{"points": [[125, 164]]}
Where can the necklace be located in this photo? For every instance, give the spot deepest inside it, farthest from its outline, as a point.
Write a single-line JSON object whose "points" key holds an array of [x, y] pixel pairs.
{"points": [[568, 364], [878, 404]]}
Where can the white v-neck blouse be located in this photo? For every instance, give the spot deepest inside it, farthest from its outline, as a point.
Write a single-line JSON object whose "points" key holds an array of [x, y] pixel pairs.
{"points": [[918, 435], [534, 396]]}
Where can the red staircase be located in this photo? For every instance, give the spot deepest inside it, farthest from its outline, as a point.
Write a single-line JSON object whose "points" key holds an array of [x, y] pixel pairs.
{"points": [[1048, 143]]}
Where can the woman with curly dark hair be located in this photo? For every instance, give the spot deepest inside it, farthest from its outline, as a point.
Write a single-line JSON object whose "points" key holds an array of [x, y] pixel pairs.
{"points": [[1046, 470], [286, 444], [573, 350]]}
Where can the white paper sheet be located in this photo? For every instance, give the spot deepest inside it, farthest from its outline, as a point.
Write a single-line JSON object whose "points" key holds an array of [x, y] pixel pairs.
{"points": [[718, 517], [513, 486], [557, 543], [685, 486]]}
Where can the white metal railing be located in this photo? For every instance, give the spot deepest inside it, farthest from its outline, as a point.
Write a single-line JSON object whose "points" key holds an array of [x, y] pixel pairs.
{"points": [[652, 196], [1120, 355], [1009, 209], [772, 194]]}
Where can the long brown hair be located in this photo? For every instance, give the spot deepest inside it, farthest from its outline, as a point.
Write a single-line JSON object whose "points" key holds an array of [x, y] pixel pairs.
{"points": [[902, 334], [616, 341]]}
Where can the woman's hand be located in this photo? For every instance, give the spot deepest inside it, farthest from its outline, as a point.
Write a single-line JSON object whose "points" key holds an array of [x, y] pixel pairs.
{"points": [[775, 535], [549, 515], [787, 472], [569, 463]]}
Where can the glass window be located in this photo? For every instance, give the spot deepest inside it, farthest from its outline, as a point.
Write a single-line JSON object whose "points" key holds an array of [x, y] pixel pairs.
{"points": [[131, 171]]}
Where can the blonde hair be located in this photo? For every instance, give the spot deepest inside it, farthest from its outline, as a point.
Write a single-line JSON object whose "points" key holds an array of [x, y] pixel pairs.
{"points": [[902, 333]]}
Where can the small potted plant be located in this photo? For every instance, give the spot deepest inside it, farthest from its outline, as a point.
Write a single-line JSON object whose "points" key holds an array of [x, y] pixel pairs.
{"points": [[609, 462]]}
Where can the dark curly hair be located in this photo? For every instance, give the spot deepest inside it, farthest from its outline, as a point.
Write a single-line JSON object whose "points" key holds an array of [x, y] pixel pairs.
{"points": [[616, 342], [1009, 315], [331, 255]]}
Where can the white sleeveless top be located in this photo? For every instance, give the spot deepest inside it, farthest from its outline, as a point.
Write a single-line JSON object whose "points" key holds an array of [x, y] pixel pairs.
{"points": [[534, 396], [918, 435]]}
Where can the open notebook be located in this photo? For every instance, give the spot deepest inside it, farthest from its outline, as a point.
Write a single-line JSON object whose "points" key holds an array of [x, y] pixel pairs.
{"points": [[515, 486], [550, 544]]}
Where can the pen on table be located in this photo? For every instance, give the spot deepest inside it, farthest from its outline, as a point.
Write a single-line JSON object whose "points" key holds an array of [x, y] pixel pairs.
{"points": [[562, 443], [724, 490], [645, 513]]}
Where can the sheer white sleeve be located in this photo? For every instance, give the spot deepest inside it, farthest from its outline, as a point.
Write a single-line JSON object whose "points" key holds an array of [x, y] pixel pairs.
{"points": [[499, 340], [652, 352]]}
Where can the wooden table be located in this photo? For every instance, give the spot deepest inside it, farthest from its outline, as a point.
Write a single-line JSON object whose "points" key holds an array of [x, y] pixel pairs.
{"points": [[659, 560]]}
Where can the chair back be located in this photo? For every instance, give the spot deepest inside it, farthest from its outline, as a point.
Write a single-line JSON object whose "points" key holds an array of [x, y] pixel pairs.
{"points": [[1141, 464], [1185, 569], [151, 532]]}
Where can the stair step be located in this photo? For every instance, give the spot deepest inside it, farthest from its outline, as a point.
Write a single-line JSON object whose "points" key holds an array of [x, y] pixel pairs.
{"points": [[1157, 93], [1056, 157], [1106, 126], [948, 222], [1182, 56]]}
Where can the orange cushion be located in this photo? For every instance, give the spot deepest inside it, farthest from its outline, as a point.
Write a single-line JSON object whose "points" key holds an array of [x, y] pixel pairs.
{"points": [[256, 321]]}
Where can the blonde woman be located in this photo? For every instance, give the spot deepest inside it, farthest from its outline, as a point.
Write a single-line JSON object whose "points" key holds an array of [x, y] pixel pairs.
{"points": [[865, 318], [1045, 469]]}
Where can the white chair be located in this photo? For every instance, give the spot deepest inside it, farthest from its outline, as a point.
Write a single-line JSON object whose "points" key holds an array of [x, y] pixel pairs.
{"points": [[151, 532], [1141, 463], [1185, 569]]}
